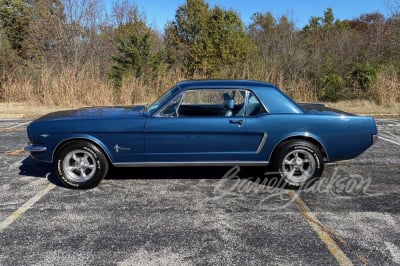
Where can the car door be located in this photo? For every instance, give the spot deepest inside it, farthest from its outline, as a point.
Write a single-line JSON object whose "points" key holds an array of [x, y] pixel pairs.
{"points": [[196, 126], [255, 133]]}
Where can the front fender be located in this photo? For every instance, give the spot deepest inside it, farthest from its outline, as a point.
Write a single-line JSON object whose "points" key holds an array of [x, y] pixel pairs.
{"points": [[83, 137], [49, 144]]}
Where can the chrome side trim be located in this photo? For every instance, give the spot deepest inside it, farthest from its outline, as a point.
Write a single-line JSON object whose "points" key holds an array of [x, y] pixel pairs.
{"points": [[172, 164], [35, 148], [262, 143]]}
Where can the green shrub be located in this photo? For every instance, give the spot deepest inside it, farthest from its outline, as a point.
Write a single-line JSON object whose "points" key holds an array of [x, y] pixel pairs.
{"points": [[362, 78], [333, 87]]}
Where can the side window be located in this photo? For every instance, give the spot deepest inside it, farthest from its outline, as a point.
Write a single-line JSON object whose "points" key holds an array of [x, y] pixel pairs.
{"points": [[253, 107], [206, 103]]}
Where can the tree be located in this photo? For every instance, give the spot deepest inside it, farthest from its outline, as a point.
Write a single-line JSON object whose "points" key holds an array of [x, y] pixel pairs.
{"points": [[204, 41], [329, 18], [278, 42], [183, 32], [14, 19], [31, 26], [263, 31], [137, 56], [224, 42]]}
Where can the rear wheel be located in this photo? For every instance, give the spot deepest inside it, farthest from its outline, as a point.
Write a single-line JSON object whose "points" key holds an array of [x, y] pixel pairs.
{"points": [[80, 164], [299, 162]]}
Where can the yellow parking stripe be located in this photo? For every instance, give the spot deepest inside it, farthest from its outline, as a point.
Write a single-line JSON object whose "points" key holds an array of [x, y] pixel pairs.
{"points": [[323, 234], [13, 153], [26, 206], [17, 127]]}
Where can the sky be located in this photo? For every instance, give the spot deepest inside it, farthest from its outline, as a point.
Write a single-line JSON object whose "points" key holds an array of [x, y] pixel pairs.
{"points": [[158, 12]]}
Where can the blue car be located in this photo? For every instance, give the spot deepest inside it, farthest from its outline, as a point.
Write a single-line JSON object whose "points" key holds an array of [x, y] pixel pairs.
{"points": [[196, 123]]}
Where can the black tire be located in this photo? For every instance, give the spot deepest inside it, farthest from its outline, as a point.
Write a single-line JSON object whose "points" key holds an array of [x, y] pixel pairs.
{"points": [[80, 164], [299, 162]]}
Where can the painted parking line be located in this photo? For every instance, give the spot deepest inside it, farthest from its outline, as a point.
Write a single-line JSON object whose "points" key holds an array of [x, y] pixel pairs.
{"points": [[13, 152], [389, 140], [323, 233], [19, 125], [14, 127], [26, 206], [394, 251]]}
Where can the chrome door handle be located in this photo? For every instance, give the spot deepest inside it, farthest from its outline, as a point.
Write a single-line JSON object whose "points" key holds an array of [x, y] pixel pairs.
{"points": [[236, 121]]}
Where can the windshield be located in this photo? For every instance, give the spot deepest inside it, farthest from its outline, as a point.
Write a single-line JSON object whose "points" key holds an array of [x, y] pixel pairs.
{"points": [[160, 101]]}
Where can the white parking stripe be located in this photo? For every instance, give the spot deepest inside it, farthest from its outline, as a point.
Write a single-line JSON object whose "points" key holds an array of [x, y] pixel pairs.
{"points": [[394, 251], [19, 125], [27, 205], [325, 237], [389, 140]]}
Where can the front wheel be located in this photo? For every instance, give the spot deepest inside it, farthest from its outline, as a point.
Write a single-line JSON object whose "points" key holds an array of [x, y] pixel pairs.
{"points": [[299, 162], [80, 164]]}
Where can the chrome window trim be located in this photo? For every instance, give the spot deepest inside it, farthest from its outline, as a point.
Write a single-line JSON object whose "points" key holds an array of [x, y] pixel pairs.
{"points": [[248, 91], [261, 102], [162, 108]]}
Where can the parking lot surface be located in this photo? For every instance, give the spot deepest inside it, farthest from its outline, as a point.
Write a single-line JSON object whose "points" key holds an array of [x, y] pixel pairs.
{"points": [[201, 216]]}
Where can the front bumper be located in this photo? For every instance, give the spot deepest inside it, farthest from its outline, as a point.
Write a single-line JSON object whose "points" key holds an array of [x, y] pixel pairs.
{"points": [[35, 148]]}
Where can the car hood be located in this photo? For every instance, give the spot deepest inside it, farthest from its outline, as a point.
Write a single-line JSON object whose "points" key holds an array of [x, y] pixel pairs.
{"points": [[95, 113], [321, 109]]}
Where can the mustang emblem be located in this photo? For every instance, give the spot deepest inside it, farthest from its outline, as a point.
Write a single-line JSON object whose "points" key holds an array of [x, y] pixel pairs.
{"points": [[118, 148]]}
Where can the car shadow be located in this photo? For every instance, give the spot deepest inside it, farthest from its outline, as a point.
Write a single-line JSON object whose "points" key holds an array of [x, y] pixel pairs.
{"points": [[34, 168], [260, 175]]}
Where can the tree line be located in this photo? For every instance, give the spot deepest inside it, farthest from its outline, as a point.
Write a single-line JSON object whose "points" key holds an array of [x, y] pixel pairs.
{"points": [[329, 59]]}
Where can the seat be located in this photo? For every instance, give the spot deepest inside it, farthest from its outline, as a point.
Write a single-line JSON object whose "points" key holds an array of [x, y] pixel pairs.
{"points": [[230, 105]]}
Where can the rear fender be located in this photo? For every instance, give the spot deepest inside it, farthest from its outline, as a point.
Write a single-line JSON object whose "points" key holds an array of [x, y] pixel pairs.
{"points": [[307, 136]]}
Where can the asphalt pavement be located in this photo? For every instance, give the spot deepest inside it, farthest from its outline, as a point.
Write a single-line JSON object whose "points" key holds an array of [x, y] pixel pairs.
{"points": [[201, 215]]}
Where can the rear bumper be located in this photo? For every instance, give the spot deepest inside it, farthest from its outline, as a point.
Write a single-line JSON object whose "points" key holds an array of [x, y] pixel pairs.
{"points": [[35, 148], [374, 138]]}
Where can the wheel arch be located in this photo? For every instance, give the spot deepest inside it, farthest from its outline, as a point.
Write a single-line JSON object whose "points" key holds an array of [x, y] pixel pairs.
{"points": [[93, 141], [308, 138]]}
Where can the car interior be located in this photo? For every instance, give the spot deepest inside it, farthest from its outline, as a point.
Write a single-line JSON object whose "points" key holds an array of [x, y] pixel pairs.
{"points": [[229, 103]]}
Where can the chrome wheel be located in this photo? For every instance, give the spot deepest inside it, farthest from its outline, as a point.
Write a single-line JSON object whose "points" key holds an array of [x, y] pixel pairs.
{"points": [[79, 166], [298, 166]]}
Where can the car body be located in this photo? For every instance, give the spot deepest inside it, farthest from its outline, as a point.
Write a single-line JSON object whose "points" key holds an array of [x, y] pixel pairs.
{"points": [[206, 122]]}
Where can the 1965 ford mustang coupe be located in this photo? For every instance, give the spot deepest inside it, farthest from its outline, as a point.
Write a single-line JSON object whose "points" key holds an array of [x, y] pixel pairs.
{"points": [[209, 122]]}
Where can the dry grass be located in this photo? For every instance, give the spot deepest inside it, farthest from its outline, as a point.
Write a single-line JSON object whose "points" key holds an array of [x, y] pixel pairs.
{"points": [[302, 91], [27, 110], [363, 107], [387, 90], [72, 88]]}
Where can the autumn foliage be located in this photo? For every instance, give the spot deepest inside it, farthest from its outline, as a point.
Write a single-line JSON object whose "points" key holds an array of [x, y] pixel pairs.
{"points": [[76, 52]]}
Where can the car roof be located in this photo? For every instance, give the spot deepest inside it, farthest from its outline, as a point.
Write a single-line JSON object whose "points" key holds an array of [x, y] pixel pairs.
{"points": [[223, 83]]}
